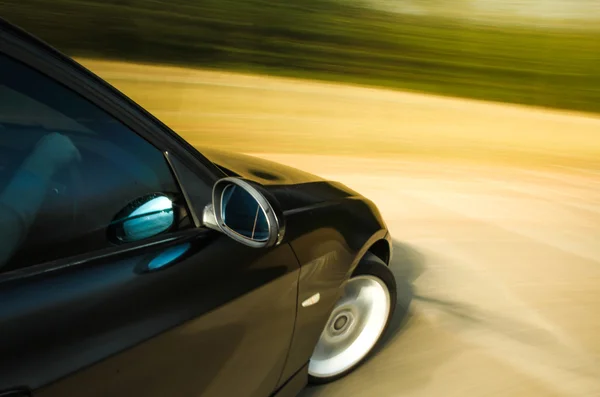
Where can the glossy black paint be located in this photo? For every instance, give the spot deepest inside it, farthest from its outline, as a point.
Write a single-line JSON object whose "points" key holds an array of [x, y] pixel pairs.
{"points": [[329, 226], [260, 170], [294, 384], [206, 318], [192, 313]]}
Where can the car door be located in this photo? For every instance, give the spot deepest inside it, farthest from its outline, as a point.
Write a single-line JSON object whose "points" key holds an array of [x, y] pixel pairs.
{"points": [[178, 310]]}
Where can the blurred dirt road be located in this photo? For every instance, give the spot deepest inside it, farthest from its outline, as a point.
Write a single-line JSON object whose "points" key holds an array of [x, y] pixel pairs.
{"points": [[504, 265], [503, 262], [249, 113]]}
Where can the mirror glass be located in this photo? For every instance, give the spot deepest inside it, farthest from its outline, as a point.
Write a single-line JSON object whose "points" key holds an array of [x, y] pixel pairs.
{"points": [[242, 214], [144, 218]]}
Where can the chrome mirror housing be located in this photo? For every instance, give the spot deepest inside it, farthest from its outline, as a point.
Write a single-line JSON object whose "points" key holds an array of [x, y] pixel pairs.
{"points": [[243, 212]]}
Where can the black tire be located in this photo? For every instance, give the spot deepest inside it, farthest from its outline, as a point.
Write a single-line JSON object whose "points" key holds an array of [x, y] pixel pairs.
{"points": [[372, 266]]}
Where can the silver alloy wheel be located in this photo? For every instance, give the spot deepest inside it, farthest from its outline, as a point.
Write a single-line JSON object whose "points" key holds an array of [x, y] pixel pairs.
{"points": [[354, 327]]}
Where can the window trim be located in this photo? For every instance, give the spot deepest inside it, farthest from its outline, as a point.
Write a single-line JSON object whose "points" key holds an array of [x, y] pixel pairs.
{"points": [[77, 261], [190, 207], [43, 58], [65, 71], [116, 250]]}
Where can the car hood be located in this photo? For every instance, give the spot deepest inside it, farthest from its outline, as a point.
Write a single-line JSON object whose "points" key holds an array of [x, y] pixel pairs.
{"points": [[259, 170], [293, 188]]}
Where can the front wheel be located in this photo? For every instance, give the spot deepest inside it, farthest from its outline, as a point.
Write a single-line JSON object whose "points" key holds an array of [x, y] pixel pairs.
{"points": [[357, 322]]}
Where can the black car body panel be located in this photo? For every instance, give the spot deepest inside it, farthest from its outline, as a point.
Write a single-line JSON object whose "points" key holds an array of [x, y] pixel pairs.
{"points": [[329, 240], [257, 169], [219, 318], [116, 330], [329, 226], [294, 189]]}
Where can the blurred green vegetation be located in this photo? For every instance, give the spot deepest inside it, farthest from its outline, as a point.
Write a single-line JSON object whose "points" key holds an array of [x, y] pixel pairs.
{"points": [[332, 40]]}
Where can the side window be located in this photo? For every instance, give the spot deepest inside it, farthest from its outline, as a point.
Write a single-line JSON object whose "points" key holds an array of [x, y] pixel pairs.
{"points": [[72, 178]]}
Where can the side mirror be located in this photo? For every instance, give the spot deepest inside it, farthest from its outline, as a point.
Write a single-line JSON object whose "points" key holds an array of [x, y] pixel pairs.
{"points": [[145, 217], [241, 211]]}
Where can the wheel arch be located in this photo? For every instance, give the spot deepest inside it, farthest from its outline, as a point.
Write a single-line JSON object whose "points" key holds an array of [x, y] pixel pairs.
{"points": [[378, 244], [381, 249]]}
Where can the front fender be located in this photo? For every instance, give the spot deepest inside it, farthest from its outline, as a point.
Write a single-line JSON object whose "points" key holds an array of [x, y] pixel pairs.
{"points": [[329, 239]]}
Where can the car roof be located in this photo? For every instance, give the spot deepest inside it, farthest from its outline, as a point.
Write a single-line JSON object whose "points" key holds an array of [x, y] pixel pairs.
{"points": [[8, 28]]}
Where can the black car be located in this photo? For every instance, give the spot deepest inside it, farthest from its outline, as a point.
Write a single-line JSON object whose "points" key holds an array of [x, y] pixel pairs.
{"points": [[133, 264]]}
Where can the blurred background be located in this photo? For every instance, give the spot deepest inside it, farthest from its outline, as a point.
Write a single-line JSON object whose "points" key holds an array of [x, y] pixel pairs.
{"points": [[472, 124], [543, 53]]}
